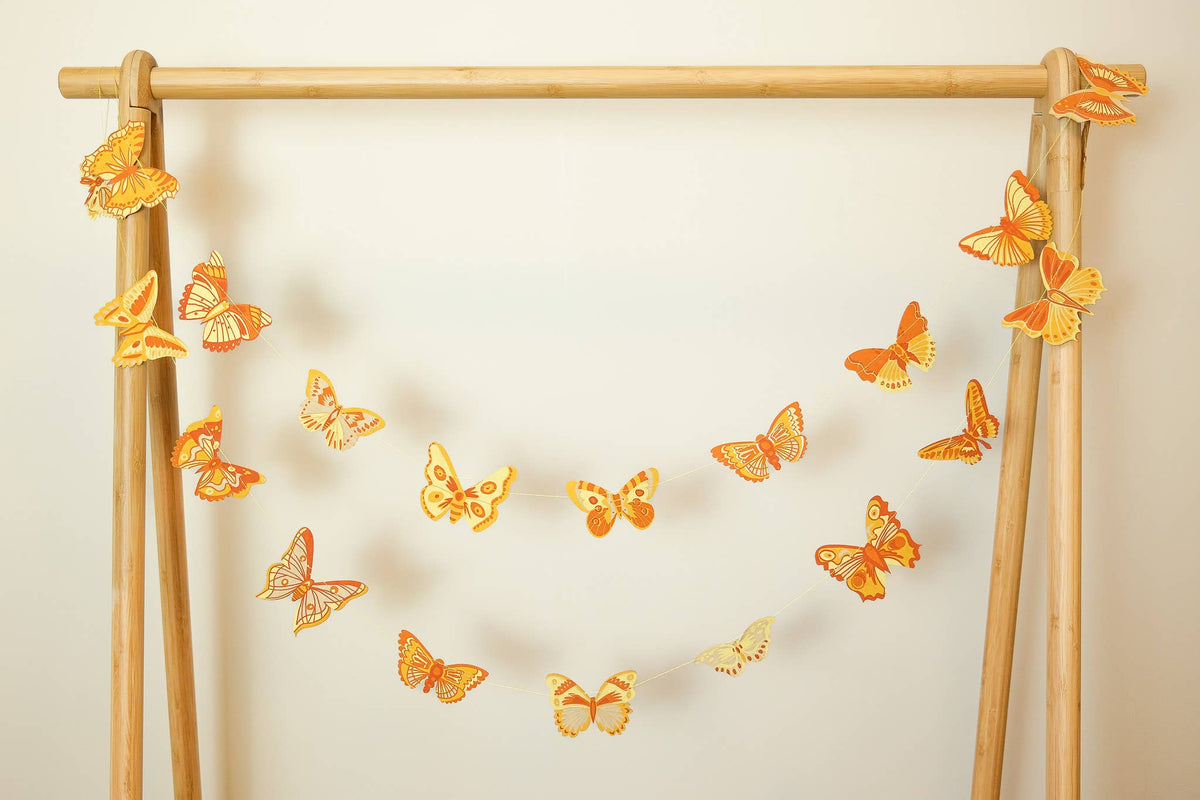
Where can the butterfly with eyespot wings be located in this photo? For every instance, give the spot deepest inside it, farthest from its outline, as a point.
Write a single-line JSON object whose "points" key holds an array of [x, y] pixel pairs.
{"points": [[981, 425], [117, 184], [226, 324], [575, 709], [132, 315], [1068, 289], [604, 507], [321, 412], [783, 440], [1102, 102], [449, 682], [200, 448], [729, 659], [863, 568], [292, 578], [445, 493], [1026, 217], [887, 367]]}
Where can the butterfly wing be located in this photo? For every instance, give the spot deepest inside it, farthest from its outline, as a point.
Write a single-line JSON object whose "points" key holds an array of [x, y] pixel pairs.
{"points": [[292, 570], [744, 458], [1025, 210], [440, 493], [891, 540], [756, 639], [322, 599], [415, 660], [960, 447], [351, 424], [635, 498], [145, 342], [457, 680], [613, 702], [980, 422], [848, 563], [572, 705], [913, 336], [117, 184], [134, 306], [1091, 105], [597, 503], [786, 433], [320, 406], [220, 480], [200, 442], [724, 658], [1109, 78], [869, 362], [208, 289], [483, 500], [1031, 318]]}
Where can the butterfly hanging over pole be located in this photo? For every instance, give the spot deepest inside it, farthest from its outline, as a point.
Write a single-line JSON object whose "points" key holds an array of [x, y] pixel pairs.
{"points": [[981, 425], [199, 448], [322, 413], [118, 185], [863, 569], [729, 659], [132, 315], [1103, 101], [603, 507], [575, 709], [445, 493], [887, 367], [226, 324], [1068, 291], [448, 682], [291, 578], [1026, 217], [783, 441]]}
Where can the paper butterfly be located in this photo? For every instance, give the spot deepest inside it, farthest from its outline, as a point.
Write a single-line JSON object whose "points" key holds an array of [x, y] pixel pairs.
{"points": [[292, 578], [141, 339], [200, 447], [445, 493], [602, 507], [965, 446], [1025, 217], [782, 440], [321, 412], [575, 709], [863, 568], [117, 184], [226, 325], [888, 368], [449, 682], [728, 659], [1055, 317], [1102, 102]]}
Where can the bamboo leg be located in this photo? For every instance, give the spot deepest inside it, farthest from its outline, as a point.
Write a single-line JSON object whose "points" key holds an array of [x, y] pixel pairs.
{"points": [[1012, 505], [129, 492], [1064, 193], [168, 513]]}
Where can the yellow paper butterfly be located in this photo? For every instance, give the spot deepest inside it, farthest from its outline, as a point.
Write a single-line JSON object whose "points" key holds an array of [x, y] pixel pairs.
{"points": [[575, 709], [603, 507], [728, 659], [141, 339], [341, 426], [117, 184], [446, 493]]}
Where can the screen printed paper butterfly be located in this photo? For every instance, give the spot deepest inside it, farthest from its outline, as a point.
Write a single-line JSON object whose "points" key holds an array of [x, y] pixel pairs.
{"points": [[132, 315], [322, 413], [199, 448], [729, 659], [1025, 217], [863, 568], [603, 507], [887, 367], [449, 682], [575, 709], [292, 578], [1055, 317], [226, 324], [981, 424], [445, 493], [783, 440], [1102, 102], [117, 184]]}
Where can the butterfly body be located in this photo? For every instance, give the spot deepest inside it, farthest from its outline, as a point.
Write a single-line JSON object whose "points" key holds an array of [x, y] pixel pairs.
{"points": [[132, 314], [118, 185], [783, 441], [225, 324], [863, 568], [448, 682], [291, 579], [341, 426], [887, 367], [730, 659], [199, 447], [1068, 290], [1102, 102], [446, 494], [604, 508], [575, 710], [1026, 218]]}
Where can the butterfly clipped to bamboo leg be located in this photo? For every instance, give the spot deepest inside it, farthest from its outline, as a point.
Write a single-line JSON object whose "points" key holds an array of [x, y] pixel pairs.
{"points": [[291, 578], [887, 367], [603, 507], [131, 314], [118, 185], [783, 441], [575, 709], [965, 447], [1068, 290], [1103, 102], [863, 569], [199, 448]]}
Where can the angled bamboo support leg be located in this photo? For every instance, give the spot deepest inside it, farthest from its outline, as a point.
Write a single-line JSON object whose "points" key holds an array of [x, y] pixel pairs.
{"points": [[1012, 505], [168, 510], [1064, 193], [129, 486]]}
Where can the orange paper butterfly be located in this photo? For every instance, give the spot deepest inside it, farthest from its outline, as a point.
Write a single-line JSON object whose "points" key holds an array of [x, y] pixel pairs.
{"points": [[200, 448], [292, 578], [341, 426], [888, 368], [1025, 217], [117, 184], [783, 440], [449, 682], [226, 325], [1102, 102], [575, 709], [863, 568], [131, 314], [480, 503], [965, 446], [602, 507], [1055, 317]]}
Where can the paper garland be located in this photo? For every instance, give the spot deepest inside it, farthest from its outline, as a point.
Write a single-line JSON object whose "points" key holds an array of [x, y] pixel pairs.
{"points": [[419, 669], [445, 493], [118, 184], [291, 578], [1025, 217], [729, 659], [863, 568], [322, 413], [603, 507], [783, 440], [887, 367], [131, 314], [1068, 289], [981, 424], [206, 298], [575, 709], [1102, 102], [199, 448]]}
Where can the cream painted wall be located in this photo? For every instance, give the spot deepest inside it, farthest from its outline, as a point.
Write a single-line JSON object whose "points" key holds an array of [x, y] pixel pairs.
{"points": [[588, 288]]}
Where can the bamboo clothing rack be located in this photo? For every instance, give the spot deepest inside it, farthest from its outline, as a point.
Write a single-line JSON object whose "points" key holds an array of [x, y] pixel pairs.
{"points": [[141, 86]]}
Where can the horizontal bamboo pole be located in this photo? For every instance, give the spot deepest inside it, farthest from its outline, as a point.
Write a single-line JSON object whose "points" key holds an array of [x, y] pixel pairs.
{"points": [[253, 83]]}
